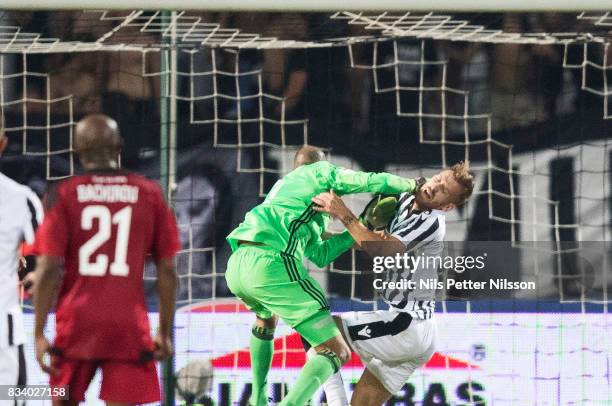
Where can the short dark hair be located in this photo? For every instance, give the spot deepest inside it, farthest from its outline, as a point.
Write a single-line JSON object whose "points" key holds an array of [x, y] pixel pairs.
{"points": [[462, 175]]}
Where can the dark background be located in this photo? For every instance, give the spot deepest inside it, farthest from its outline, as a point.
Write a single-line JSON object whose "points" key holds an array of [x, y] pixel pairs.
{"points": [[536, 105]]}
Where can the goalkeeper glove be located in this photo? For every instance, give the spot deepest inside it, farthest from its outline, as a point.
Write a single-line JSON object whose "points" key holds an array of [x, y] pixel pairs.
{"points": [[378, 212]]}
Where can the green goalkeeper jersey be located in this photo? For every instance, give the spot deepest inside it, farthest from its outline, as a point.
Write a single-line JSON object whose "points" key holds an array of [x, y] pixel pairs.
{"points": [[286, 221]]}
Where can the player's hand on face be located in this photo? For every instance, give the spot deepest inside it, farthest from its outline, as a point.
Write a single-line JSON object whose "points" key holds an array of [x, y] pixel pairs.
{"points": [[331, 203], [43, 350], [162, 347]]}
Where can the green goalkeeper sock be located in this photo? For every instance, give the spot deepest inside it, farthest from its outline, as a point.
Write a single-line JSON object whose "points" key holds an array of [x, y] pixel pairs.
{"points": [[262, 349], [315, 372]]}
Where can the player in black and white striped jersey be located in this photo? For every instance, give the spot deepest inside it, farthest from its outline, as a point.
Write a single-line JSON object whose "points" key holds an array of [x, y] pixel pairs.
{"points": [[20, 213], [393, 343], [422, 232]]}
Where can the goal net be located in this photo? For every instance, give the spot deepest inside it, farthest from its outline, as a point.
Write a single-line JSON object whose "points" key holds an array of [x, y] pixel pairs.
{"points": [[214, 105]]}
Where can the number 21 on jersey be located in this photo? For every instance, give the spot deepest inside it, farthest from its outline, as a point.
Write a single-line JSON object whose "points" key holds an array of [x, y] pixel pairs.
{"points": [[98, 266]]}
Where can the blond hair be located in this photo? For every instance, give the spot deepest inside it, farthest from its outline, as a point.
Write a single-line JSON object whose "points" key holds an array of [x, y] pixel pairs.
{"points": [[462, 175]]}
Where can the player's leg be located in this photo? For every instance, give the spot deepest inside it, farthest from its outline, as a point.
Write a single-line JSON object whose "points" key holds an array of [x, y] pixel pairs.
{"points": [[262, 350], [255, 262], [328, 358], [129, 382], [75, 375], [380, 380], [265, 279], [369, 391], [392, 346], [308, 313], [335, 393], [12, 370]]}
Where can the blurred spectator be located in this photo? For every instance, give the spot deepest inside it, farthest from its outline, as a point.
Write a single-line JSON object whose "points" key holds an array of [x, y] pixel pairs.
{"points": [[549, 59], [246, 73], [132, 92], [467, 70], [243, 66], [8, 61], [359, 92], [411, 72], [78, 75], [513, 80], [35, 88], [272, 72], [285, 69], [591, 75]]}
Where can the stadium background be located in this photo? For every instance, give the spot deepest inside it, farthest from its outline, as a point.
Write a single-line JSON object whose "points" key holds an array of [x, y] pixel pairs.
{"points": [[378, 104]]}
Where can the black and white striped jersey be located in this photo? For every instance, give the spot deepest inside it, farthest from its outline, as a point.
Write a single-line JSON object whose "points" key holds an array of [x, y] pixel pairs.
{"points": [[20, 213], [422, 232]]}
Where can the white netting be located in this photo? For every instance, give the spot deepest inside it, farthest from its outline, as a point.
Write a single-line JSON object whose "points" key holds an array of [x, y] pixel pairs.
{"points": [[242, 114], [46, 135], [596, 57], [440, 27], [600, 19], [239, 130]]}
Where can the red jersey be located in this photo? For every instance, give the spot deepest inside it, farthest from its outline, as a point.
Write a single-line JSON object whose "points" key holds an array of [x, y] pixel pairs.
{"points": [[103, 225]]}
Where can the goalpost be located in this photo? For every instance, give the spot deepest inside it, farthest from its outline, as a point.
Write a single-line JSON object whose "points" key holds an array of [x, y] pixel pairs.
{"points": [[198, 98], [315, 6]]}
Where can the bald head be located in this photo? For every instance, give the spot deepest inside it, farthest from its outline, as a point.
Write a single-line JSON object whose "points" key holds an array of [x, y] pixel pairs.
{"points": [[97, 141], [308, 154]]}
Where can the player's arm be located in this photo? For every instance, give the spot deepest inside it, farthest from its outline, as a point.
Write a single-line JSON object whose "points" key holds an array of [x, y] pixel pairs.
{"points": [[346, 181], [48, 269], [166, 289], [165, 246], [45, 290], [27, 260], [51, 244], [332, 204], [323, 252]]}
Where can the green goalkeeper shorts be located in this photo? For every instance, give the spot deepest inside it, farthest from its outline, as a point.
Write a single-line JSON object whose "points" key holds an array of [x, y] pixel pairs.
{"points": [[269, 283]]}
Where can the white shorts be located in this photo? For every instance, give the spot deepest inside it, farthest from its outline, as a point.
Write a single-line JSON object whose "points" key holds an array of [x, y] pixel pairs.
{"points": [[391, 345], [12, 369]]}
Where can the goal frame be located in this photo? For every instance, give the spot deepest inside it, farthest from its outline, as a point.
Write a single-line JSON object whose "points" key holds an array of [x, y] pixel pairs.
{"points": [[169, 58], [313, 6]]}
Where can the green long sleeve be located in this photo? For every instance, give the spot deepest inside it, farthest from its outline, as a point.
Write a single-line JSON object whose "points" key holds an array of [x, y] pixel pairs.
{"points": [[286, 220], [323, 252], [346, 181]]}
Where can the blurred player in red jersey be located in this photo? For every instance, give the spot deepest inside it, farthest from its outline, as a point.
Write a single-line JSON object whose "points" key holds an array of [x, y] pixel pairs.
{"points": [[101, 225]]}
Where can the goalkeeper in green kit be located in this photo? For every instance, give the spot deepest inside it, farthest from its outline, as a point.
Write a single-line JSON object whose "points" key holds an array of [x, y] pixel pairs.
{"points": [[265, 270]]}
